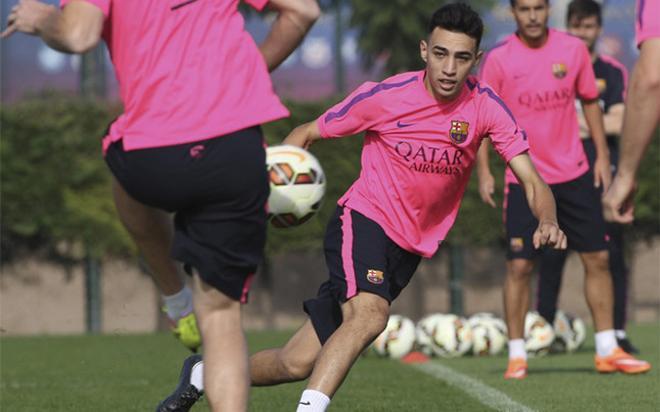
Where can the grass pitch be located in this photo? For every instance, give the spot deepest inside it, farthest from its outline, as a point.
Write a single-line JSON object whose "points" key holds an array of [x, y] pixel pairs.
{"points": [[132, 373]]}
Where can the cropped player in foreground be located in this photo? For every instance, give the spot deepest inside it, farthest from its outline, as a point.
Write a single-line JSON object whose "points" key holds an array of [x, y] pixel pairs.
{"points": [[642, 113], [423, 130], [542, 97], [584, 20], [195, 89]]}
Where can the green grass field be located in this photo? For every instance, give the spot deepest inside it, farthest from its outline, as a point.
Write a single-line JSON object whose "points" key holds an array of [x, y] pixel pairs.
{"points": [[132, 373]]}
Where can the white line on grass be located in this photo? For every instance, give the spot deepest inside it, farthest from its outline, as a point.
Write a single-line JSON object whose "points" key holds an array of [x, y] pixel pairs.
{"points": [[485, 394]]}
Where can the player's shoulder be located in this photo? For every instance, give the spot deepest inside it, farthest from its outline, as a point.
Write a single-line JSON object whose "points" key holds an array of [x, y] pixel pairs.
{"points": [[391, 85], [612, 63], [484, 94]]}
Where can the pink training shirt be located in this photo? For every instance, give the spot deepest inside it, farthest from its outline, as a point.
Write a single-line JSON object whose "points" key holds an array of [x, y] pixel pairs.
{"points": [[418, 153], [647, 20], [540, 86], [187, 71]]}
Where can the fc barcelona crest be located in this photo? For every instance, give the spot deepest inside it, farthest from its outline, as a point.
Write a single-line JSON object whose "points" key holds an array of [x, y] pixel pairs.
{"points": [[375, 276], [559, 70], [459, 131]]}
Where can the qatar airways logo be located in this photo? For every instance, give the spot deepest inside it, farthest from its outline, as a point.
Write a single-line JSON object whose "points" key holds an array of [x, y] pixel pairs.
{"points": [[544, 100], [429, 159]]}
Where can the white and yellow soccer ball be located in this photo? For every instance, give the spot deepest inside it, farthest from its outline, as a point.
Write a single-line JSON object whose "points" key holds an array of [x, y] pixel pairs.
{"points": [[570, 329], [297, 185], [444, 335], [539, 334], [488, 334], [398, 338]]}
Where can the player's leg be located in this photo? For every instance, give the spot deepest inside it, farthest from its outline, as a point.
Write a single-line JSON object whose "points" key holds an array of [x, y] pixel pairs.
{"points": [[550, 273], [226, 375], [364, 318], [152, 231], [579, 212], [520, 226], [290, 363]]}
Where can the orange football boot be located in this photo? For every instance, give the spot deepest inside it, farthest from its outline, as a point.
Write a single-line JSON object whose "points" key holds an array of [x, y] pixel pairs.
{"points": [[517, 369], [620, 361]]}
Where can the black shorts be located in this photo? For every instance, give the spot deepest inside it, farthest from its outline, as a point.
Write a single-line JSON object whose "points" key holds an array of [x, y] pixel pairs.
{"points": [[218, 190], [579, 214], [360, 257]]}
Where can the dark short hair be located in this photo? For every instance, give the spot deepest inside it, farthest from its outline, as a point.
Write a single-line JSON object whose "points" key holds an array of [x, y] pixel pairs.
{"points": [[458, 18], [513, 2], [582, 9]]}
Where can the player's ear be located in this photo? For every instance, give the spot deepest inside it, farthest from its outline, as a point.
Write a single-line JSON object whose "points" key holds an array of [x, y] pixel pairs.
{"points": [[423, 50], [478, 57]]}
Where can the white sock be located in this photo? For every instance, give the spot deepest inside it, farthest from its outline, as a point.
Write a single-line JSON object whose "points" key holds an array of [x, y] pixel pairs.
{"points": [[313, 401], [180, 304], [620, 334], [517, 349], [197, 376], [605, 342]]}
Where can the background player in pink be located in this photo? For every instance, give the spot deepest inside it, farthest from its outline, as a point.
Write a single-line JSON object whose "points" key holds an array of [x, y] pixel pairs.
{"points": [[642, 112], [541, 96], [423, 130], [584, 20], [195, 89]]}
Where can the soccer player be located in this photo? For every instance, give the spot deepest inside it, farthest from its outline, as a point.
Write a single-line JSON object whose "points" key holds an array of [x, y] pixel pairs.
{"points": [[584, 20], [423, 130], [539, 72], [642, 113], [195, 89]]}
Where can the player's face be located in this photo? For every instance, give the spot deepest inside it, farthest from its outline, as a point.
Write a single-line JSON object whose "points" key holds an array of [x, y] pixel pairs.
{"points": [[449, 57], [587, 29], [531, 18]]}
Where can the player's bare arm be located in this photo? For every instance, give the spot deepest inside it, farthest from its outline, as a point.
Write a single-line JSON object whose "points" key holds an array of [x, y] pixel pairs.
{"points": [[74, 29], [304, 135], [613, 119], [486, 179], [294, 19], [594, 117], [541, 202], [641, 117]]}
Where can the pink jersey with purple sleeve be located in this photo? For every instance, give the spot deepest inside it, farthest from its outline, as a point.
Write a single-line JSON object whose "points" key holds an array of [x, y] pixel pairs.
{"points": [[187, 71], [647, 20], [418, 153], [540, 87]]}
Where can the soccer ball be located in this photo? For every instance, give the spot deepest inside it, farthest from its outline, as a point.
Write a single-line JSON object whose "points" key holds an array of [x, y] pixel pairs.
{"points": [[538, 334], [569, 330], [448, 336], [488, 335], [398, 338], [297, 185]]}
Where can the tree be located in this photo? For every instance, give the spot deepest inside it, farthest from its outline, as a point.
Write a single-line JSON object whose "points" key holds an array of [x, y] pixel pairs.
{"points": [[391, 30]]}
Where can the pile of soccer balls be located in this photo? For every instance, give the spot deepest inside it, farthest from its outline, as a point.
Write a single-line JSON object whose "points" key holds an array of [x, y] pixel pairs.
{"points": [[483, 334]]}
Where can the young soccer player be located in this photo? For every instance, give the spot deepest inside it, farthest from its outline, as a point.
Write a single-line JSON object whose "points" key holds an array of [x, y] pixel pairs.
{"points": [[584, 20], [195, 89], [541, 96], [642, 113], [423, 130]]}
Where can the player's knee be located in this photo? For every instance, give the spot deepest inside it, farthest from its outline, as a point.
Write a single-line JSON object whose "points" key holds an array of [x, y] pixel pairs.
{"points": [[519, 269], [370, 320], [597, 262], [295, 368]]}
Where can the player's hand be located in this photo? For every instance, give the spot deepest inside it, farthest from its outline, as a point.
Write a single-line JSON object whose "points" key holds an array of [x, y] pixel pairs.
{"points": [[618, 203], [26, 17], [303, 135], [487, 188], [602, 173], [549, 234]]}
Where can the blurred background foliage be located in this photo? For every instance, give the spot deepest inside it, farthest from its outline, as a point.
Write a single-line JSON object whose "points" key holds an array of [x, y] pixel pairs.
{"points": [[56, 190]]}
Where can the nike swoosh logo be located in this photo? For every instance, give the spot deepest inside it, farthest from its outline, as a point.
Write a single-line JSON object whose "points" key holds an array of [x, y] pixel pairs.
{"points": [[305, 403], [399, 124]]}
